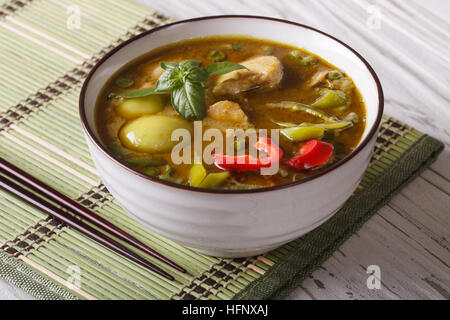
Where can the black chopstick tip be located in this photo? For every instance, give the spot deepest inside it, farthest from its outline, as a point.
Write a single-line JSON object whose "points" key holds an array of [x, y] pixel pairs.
{"points": [[164, 274], [182, 270]]}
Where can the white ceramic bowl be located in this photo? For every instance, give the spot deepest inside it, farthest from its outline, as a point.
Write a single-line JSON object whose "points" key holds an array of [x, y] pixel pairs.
{"points": [[234, 223]]}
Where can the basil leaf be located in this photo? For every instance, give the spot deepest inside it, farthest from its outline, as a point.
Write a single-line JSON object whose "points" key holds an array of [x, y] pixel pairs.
{"points": [[186, 65], [189, 101], [140, 93], [197, 75], [168, 65], [170, 79], [220, 68]]}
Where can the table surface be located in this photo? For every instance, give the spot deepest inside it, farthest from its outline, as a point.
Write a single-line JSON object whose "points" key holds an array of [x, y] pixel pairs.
{"points": [[408, 44]]}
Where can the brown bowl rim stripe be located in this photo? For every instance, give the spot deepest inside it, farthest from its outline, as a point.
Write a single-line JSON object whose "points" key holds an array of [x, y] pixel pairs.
{"points": [[341, 162]]}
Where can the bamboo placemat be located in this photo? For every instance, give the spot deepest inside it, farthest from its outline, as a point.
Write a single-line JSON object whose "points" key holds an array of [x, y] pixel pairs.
{"points": [[42, 66]]}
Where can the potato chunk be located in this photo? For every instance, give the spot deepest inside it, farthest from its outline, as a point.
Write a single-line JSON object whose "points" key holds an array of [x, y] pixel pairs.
{"points": [[136, 107], [152, 133], [264, 71]]}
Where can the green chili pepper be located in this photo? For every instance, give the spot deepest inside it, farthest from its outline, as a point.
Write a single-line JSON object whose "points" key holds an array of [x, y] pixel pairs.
{"points": [[331, 99], [304, 108], [169, 170], [214, 180], [352, 117], [145, 162], [217, 55], [117, 150], [302, 133], [284, 124], [244, 187], [328, 126], [169, 179], [341, 108], [151, 171], [197, 174]]}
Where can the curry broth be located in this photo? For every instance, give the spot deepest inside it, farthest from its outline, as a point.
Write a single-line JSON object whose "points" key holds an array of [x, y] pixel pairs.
{"points": [[294, 87]]}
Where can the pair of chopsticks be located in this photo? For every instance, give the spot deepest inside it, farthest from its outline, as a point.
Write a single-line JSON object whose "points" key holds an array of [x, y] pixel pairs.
{"points": [[12, 172]]}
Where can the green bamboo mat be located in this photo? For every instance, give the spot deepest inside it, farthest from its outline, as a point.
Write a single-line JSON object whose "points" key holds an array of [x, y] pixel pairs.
{"points": [[42, 66]]}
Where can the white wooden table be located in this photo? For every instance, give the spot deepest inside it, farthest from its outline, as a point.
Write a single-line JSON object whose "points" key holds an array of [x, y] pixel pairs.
{"points": [[408, 44]]}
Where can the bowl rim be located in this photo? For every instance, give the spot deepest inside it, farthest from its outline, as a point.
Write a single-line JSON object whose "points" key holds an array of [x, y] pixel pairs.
{"points": [[90, 134]]}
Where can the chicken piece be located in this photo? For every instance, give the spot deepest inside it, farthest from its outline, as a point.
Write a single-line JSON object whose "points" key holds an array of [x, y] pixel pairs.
{"points": [[344, 84], [317, 78], [227, 111], [264, 71], [226, 115]]}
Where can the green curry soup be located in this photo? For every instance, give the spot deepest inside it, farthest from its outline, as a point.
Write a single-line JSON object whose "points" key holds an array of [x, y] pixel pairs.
{"points": [[231, 82]]}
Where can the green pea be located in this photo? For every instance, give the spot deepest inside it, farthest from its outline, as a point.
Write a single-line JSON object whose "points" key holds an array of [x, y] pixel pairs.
{"points": [[308, 61], [237, 46], [124, 82], [294, 54], [331, 99], [217, 55], [302, 133], [267, 50], [334, 75], [214, 180]]}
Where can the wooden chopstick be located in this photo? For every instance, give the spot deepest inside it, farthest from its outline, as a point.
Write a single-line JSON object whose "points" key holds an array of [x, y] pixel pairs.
{"points": [[20, 176], [64, 201], [71, 221]]}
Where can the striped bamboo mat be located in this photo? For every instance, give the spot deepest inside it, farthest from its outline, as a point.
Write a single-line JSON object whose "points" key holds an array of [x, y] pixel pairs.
{"points": [[43, 61]]}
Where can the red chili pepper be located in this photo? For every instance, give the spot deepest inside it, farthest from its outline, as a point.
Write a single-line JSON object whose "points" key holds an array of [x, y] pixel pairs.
{"points": [[247, 162], [312, 154]]}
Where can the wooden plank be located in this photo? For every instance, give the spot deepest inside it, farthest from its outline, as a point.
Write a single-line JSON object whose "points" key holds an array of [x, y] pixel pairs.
{"points": [[436, 179], [410, 246], [428, 208]]}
